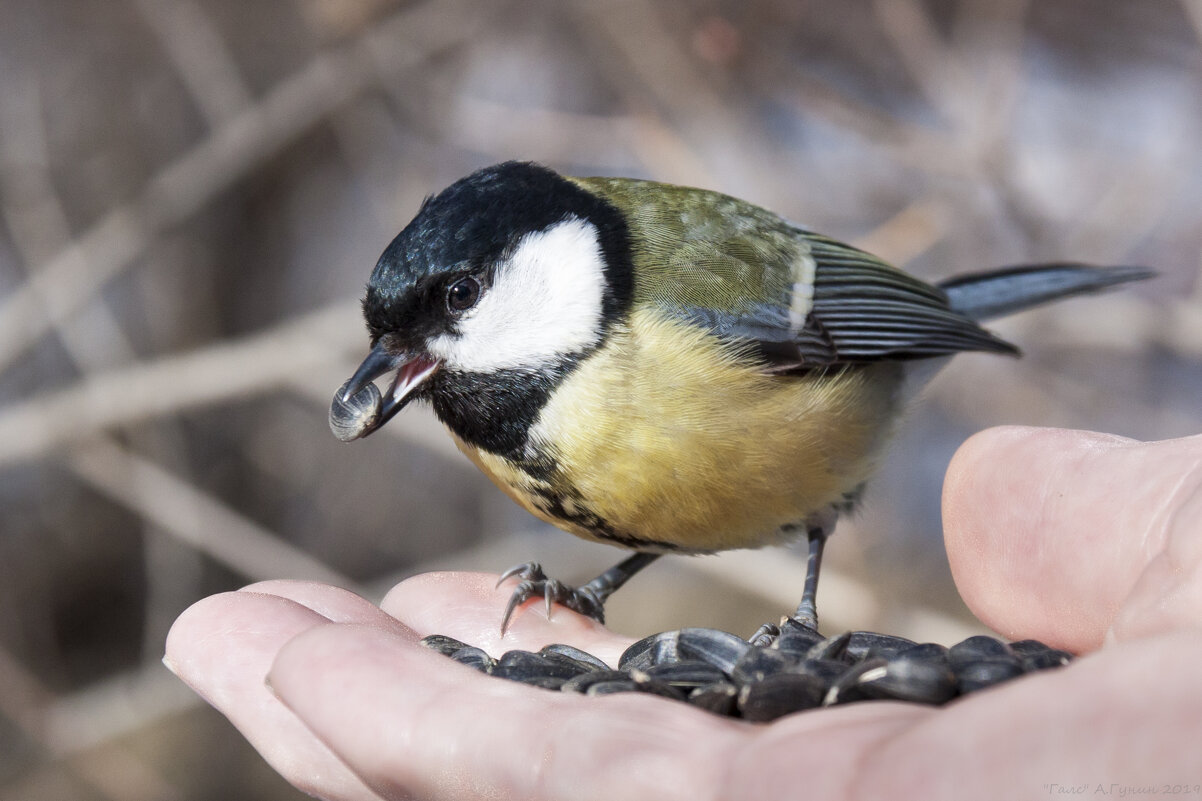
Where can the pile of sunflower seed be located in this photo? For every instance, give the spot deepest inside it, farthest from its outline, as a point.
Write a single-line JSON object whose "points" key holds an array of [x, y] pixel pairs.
{"points": [[789, 670]]}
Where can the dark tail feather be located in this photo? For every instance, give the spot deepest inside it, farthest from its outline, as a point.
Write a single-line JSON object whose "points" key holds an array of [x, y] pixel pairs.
{"points": [[995, 293]]}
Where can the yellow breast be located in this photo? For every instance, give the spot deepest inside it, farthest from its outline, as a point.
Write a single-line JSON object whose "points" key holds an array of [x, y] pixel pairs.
{"points": [[669, 435]]}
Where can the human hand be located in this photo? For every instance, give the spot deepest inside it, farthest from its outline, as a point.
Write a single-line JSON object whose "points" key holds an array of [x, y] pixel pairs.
{"points": [[1069, 537]]}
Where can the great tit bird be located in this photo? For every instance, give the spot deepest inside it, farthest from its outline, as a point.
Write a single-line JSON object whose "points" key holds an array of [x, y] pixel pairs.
{"points": [[661, 368]]}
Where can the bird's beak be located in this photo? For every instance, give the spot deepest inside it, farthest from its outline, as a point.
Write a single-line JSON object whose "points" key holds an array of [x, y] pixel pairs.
{"points": [[412, 370]]}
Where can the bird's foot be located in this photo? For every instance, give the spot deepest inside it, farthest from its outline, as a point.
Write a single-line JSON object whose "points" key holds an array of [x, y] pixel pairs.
{"points": [[534, 583]]}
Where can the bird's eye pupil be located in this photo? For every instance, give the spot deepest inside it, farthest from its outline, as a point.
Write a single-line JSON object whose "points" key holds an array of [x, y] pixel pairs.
{"points": [[463, 294]]}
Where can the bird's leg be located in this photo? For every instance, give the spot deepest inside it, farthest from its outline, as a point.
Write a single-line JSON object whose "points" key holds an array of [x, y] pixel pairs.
{"points": [[589, 599], [807, 611]]}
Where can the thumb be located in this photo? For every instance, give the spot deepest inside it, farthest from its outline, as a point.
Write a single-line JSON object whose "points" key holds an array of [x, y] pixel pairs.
{"points": [[1068, 535]]}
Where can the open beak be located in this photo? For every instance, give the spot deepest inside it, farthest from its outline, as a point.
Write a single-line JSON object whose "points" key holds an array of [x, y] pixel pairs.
{"points": [[412, 370]]}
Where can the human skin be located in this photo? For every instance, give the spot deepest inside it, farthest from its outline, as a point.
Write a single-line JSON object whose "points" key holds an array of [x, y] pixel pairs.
{"points": [[1086, 541]]}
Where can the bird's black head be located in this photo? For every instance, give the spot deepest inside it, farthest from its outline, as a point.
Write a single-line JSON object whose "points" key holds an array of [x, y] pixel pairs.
{"points": [[491, 294]]}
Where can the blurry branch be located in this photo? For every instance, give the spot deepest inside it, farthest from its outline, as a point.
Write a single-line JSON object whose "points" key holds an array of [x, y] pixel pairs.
{"points": [[907, 234], [988, 32], [904, 142], [1140, 193], [649, 67], [365, 132], [113, 708], [38, 224], [991, 31], [257, 363], [1132, 324], [1049, 396], [924, 53], [115, 772], [37, 221], [120, 775], [901, 140], [977, 108], [664, 153], [231, 369], [617, 142], [1193, 10], [194, 45], [22, 697], [68, 728], [658, 65], [61, 285], [491, 127], [196, 517]]}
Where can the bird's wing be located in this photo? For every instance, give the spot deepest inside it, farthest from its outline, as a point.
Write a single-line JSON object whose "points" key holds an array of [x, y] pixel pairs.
{"points": [[806, 301], [856, 309]]}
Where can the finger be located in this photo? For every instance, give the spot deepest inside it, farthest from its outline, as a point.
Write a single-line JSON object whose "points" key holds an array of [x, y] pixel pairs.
{"points": [[1049, 530], [413, 723], [223, 647], [332, 603], [469, 606], [1117, 718]]}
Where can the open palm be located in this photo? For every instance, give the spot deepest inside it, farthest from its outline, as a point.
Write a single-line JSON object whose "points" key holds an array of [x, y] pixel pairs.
{"points": [[1086, 541]]}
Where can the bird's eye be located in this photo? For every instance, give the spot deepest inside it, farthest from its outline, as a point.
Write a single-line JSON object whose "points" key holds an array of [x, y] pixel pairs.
{"points": [[463, 294]]}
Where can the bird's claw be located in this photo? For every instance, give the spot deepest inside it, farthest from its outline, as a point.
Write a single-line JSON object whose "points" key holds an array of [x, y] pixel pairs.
{"points": [[765, 635], [526, 570], [534, 582]]}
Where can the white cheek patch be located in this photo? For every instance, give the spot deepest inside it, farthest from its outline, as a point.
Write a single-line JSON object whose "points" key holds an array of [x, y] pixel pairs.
{"points": [[544, 303]]}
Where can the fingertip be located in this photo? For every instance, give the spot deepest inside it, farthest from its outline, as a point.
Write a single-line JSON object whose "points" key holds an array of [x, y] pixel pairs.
{"points": [[220, 636], [1004, 475], [223, 647], [969, 488], [982, 468], [194, 626], [1030, 532]]}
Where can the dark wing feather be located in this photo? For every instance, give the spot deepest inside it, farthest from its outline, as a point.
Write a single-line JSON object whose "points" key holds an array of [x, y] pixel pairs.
{"points": [[869, 310], [863, 310]]}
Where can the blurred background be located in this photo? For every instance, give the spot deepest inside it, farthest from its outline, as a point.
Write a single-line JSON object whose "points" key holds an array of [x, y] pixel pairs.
{"points": [[193, 192]]}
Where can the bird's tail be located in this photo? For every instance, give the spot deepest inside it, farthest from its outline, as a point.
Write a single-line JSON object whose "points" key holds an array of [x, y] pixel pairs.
{"points": [[996, 293]]}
